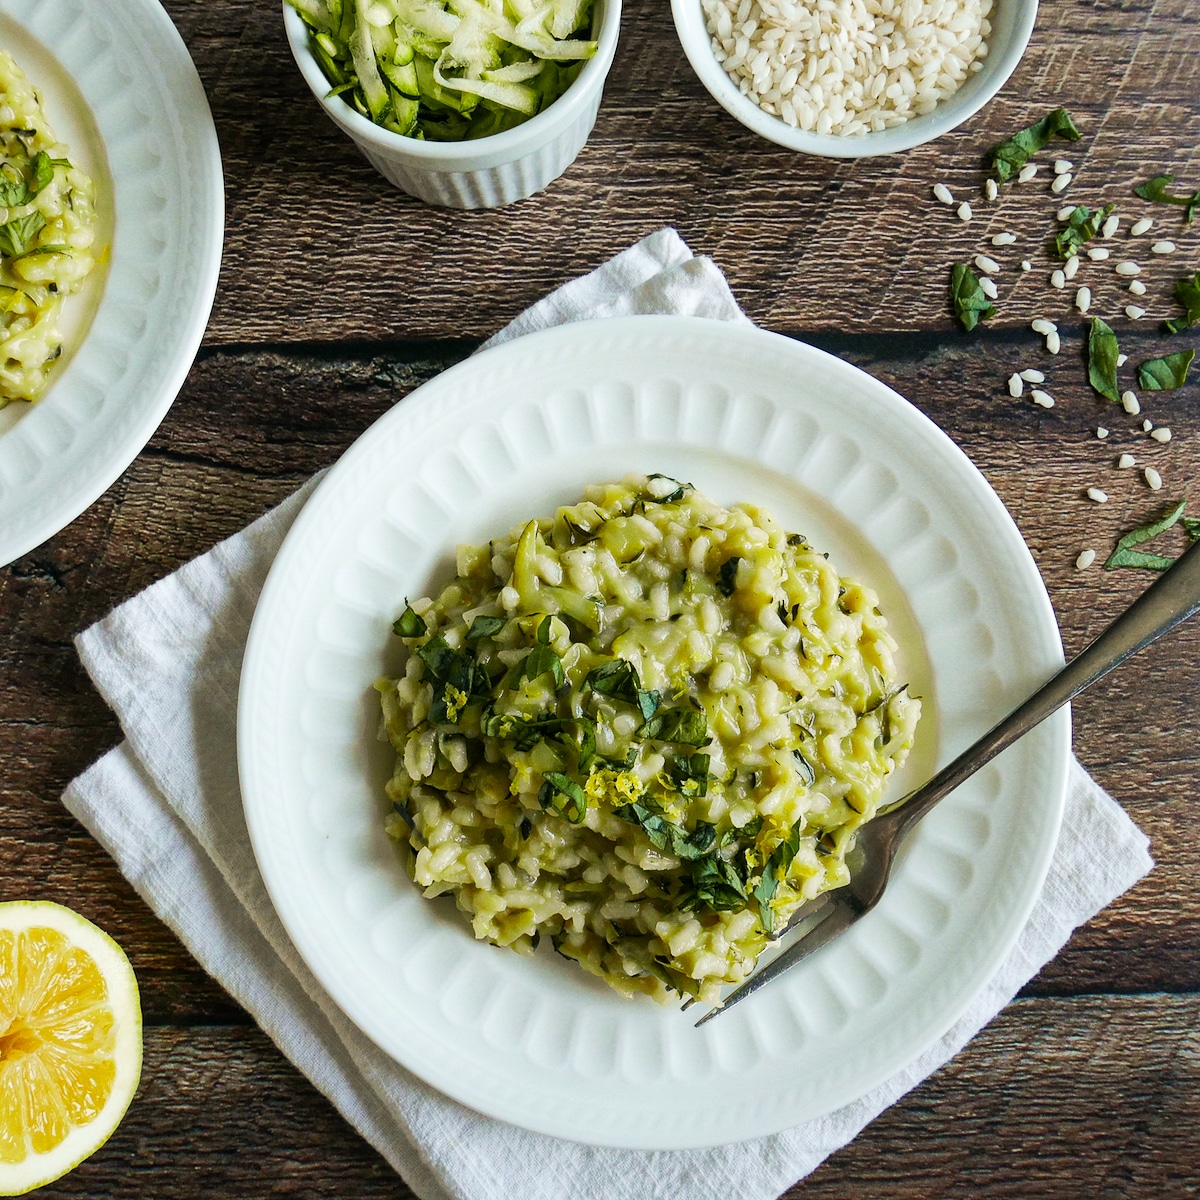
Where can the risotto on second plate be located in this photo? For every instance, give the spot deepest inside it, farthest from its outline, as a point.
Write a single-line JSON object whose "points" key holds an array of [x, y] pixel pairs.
{"points": [[646, 729]]}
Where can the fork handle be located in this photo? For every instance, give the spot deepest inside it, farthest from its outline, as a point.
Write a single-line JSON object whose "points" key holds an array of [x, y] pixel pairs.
{"points": [[1170, 599]]}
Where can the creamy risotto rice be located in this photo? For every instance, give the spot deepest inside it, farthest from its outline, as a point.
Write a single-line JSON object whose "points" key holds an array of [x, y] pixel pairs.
{"points": [[47, 230], [645, 729]]}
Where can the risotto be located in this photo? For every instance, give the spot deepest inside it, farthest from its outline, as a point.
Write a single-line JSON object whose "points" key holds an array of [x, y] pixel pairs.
{"points": [[47, 230], [645, 729]]}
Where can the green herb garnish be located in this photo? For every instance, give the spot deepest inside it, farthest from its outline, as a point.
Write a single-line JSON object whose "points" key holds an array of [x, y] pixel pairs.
{"points": [[409, 624], [727, 576], [684, 726], [681, 489], [1009, 157], [971, 305], [1083, 225], [1127, 555], [564, 796], [805, 768], [774, 870], [1187, 292], [17, 234], [1155, 190], [689, 774], [455, 677], [1166, 373], [541, 660], [714, 884], [1103, 353], [483, 627]]}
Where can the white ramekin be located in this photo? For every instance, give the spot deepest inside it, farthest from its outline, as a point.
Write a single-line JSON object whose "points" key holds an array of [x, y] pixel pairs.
{"points": [[487, 172], [1012, 22]]}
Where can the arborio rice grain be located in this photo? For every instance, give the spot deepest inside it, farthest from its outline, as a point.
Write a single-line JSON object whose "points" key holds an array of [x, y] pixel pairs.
{"points": [[848, 66]]}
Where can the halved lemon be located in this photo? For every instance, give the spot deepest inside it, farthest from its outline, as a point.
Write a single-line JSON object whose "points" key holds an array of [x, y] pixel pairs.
{"points": [[70, 1041]]}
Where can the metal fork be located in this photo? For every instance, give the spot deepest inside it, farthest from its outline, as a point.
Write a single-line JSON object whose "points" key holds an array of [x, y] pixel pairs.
{"points": [[1172, 598]]}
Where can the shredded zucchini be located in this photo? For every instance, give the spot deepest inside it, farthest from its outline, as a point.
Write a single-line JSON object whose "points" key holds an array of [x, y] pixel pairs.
{"points": [[449, 70]]}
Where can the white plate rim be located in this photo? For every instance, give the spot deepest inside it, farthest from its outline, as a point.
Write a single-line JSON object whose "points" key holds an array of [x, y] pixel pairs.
{"points": [[633, 1132], [166, 170]]}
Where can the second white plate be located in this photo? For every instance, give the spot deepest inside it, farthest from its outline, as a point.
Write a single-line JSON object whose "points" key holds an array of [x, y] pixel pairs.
{"points": [[744, 415], [121, 90]]}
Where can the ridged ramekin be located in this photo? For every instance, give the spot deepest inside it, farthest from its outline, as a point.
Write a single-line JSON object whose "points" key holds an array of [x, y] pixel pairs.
{"points": [[488, 172]]}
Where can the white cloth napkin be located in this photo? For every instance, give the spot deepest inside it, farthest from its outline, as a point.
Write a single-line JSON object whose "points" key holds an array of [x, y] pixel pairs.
{"points": [[166, 806]]}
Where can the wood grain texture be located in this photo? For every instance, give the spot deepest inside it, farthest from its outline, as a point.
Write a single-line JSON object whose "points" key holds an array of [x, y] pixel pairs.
{"points": [[1055, 1100], [338, 295], [321, 249]]}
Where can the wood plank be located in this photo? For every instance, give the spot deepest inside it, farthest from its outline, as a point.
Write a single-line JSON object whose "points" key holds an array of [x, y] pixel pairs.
{"points": [[1096, 1097], [321, 249]]}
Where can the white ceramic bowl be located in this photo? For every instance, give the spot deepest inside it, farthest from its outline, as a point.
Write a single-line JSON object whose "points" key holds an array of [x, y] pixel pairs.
{"points": [[1012, 23], [488, 172]]}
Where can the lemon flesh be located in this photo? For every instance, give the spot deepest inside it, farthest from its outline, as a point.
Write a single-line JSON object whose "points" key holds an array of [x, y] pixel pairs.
{"points": [[70, 1042]]}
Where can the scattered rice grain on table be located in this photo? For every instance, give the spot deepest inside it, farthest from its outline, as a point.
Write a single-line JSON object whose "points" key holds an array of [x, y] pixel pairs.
{"points": [[848, 67]]}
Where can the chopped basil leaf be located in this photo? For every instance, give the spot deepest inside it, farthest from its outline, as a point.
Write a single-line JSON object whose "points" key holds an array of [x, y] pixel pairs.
{"points": [[1102, 360], [402, 811], [970, 304], [716, 884], [775, 869], [483, 627], [1165, 374], [689, 774], [541, 660], [1083, 225], [409, 624], [563, 795], [455, 677], [684, 726], [1155, 190], [17, 234], [585, 742], [805, 768], [617, 678], [1126, 554], [681, 489], [543, 631], [1187, 292], [523, 731], [648, 702], [1009, 157], [525, 828], [727, 576]]}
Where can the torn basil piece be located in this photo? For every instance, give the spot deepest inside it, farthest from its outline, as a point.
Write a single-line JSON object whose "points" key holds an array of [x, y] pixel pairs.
{"points": [[1166, 373], [17, 235], [684, 726], [1103, 353], [1127, 555], [618, 679], [454, 677], [483, 627], [1155, 190], [409, 624], [564, 796], [1083, 225], [805, 769], [680, 490], [727, 576], [648, 702], [1010, 156], [1187, 292], [541, 660], [689, 774], [971, 305]]}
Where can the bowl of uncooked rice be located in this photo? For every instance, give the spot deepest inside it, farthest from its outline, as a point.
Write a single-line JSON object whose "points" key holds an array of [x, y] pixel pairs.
{"points": [[852, 78], [642, 730]]}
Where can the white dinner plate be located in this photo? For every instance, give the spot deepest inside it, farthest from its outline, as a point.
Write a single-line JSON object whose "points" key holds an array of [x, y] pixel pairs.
{"points": [[515, 431], [121, 91]]}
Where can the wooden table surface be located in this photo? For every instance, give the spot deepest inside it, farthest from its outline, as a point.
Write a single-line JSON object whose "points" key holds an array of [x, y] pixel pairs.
{"points": [[338, 295]]}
